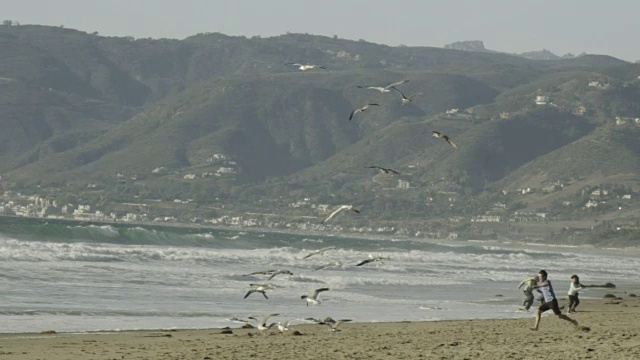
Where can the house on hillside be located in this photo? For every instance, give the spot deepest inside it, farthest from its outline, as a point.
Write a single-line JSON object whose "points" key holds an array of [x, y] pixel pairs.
{"points": [[403, 184], [542, 100]]}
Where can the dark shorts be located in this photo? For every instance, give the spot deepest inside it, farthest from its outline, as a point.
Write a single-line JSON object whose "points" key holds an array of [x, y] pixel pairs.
{"points": [[551, 305]]}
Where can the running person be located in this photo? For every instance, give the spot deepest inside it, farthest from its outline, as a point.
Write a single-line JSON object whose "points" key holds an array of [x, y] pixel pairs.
{"points": [[550, 301], [528, 292], [573, 293]]}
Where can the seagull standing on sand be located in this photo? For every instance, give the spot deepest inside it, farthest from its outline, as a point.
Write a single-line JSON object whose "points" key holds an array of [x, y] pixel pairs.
{"points": [[383, 89], [307, 67], [362, 109], [279, 272], [341, 208], [372, 259], [440, 135], [405, 100], [313, 300], [318, 252], [384, 170], [263, 325], [334, 327], [333, 264]]}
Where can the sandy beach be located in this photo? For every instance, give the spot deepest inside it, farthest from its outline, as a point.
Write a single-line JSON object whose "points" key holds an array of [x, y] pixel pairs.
{"points": [[611, 330]]}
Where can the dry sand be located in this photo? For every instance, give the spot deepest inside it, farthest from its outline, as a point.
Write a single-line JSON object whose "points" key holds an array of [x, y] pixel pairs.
{"points": [[614, 333]]}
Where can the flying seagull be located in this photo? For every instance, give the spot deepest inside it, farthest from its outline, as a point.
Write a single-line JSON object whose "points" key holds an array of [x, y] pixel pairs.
{"points": [[371, 259], [314, 298], [284, 327], [384, 170], [446, 137], [341, 208], [260, 289], [333, 264], [334, 327], [405, 100], [364, 108], [266, 272], [307, 67], [383, 89], [263, 325], [319, 252], [276, 273]]}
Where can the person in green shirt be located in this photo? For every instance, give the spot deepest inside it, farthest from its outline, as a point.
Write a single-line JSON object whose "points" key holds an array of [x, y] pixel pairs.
{"points": [[528, 285]]}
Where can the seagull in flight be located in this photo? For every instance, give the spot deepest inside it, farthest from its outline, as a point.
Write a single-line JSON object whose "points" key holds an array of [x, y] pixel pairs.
{"points": [[260, 289], [384, 170], [334, 327], [263, 325], [405, 100], [333, 264], [319, 252], [314, 298], [362, 109], [341, 208], [383, 89], [440, 135], [284, 327], [372, 259], [307, 67], [266, 272], [276, 273]]}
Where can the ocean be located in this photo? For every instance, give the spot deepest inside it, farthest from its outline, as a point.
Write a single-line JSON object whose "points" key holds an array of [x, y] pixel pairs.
{"points": [[74, 277]]}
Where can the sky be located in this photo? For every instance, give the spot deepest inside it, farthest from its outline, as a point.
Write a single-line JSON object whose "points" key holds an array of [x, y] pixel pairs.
{"points": [[561, 26]]}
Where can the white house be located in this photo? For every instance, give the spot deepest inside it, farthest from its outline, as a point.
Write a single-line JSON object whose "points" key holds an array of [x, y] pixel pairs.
{"points": [[542, 100]]}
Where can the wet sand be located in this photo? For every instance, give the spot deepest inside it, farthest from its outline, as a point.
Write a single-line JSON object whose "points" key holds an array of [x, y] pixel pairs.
{"points": [[611, 331]]}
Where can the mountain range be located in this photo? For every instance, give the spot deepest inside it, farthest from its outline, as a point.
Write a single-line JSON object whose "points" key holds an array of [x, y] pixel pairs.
{"points": [[219, 117]]}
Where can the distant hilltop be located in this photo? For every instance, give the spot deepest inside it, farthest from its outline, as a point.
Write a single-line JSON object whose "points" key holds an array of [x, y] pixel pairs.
{"points": [[471, 45], [478, 46]]}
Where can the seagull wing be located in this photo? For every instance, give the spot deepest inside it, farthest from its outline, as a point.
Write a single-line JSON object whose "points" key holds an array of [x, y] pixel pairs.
{"points": [[239, 320], [318, 321], [249, 293], [414, 95], [310, 254], [340, 322], [353, 113], [332, 215], [275, 274], [355, 210], [364, 262], [264, 321], [317, 292], [394, 84], [393, 171], [437, 134], [396, 89], [450, 142]]}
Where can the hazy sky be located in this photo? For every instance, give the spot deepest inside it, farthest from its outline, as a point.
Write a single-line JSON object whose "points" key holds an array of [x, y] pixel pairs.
{"points": [[592, 26]]}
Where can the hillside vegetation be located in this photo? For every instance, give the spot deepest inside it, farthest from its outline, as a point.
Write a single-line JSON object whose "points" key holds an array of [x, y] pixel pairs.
{"points": [[136, 117]]}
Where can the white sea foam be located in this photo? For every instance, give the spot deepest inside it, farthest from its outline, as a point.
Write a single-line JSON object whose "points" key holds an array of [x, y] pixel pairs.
{"points": [[79, 286]]}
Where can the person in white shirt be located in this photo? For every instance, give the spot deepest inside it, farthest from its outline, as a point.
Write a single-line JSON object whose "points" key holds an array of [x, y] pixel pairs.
{"points": [[550, 301], [573, 293]]}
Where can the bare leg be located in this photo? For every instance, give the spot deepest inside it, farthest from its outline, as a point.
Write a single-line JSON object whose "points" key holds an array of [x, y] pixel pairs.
{"points": [[538, 314], [565, 317]]}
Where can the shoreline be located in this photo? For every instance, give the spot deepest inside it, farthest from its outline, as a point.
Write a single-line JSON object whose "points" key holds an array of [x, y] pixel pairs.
{"points": [[505, 243], [610, 330]]}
